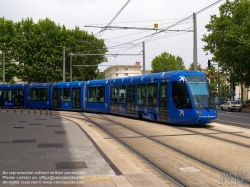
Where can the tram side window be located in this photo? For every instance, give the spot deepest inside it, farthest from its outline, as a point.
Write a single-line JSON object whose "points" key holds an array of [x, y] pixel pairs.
{"points": [[38, 94], [8, 95], [141, 94], [66, 94], [100, 91], [91, 94], [180, 95], [34, 94], [96, 94], [43, 94], [152, 94], [122, 94]]}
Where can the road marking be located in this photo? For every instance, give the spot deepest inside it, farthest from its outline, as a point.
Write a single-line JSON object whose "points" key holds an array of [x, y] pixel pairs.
{"points": [[232, 122], [234, 116]]}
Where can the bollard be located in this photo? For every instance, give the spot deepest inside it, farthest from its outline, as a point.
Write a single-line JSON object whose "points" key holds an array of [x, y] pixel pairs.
{"points": [[50, 112], [34, 111], [40, 111], [28, 111], [7, 110], [46, 111], [21, 110], [14, 110]]}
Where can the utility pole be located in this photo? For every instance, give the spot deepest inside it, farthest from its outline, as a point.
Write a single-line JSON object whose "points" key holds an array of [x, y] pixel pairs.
{"points": [[195, 43], [143, 44], [63, 64], [70, 72]]}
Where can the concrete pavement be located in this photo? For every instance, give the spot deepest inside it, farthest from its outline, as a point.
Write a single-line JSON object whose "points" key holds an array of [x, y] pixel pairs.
{"points": [[39, 150]]}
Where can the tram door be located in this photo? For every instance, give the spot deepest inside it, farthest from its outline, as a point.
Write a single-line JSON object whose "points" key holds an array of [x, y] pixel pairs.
{"points": [[76, 98], [7, 98], [114, 99], [19, 97], [57, 98], [131, 99], [164, 111]]}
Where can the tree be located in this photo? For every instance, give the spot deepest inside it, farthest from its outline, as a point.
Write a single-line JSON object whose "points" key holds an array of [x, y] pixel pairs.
{"points": [[191, 67], [167, 62], [101, 75], [212, 75], [228, 39], [37, 49], [7, 33]]}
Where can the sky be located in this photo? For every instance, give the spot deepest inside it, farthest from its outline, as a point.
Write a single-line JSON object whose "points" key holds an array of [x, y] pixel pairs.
{"points": [[126, 13]]}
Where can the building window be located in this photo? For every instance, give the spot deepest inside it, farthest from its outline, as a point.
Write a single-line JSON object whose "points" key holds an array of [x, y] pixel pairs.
{"points": [[116, 69], [126, 69], [116, 74], [126, 74]]}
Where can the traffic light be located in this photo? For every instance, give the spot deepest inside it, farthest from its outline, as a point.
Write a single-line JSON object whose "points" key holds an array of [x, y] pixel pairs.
{"points": [[208, 63]]}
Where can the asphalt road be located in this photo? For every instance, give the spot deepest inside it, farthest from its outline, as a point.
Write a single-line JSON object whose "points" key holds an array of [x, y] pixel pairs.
{"points": [[240, 119]]}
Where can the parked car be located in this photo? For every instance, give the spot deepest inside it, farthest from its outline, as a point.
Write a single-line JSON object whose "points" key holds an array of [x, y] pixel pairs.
{"points": [[232, 106], [244, 101]]}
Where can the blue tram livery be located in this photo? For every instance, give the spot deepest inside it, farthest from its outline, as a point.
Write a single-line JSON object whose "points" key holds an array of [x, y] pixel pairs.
{"points": [[13, 95], [180, 97], [68, 95], [97, 96], [39, 95], [177, 97]]}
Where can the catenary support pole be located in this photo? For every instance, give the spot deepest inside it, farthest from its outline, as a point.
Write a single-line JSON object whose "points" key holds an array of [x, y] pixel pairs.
{"points": [[195, 58], [143, 44]]}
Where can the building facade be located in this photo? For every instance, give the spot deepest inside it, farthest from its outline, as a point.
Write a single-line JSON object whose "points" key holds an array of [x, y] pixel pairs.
{"points": [[123, 71]]}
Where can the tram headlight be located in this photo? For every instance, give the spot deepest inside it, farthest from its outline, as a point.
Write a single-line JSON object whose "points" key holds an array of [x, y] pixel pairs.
{"points": [[199, 111], [215, 111]]}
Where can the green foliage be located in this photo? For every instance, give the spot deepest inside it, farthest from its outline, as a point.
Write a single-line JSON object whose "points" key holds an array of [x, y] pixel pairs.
{"points": [[191, 67], [37, 49], [101, 75], [8, 32], [228, 39], [167, 62]]}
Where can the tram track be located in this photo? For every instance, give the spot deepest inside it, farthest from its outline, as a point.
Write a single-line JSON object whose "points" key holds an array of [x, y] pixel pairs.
{"points": [[139, 135], [218, 138], [121, 139], [180, 151], [88, 119]]}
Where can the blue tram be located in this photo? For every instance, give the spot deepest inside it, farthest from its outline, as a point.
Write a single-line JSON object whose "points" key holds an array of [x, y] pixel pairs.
{"points": [[178, 97], [39, 95], [97, 96], [13, 95], [181, 97], [68, 95]]}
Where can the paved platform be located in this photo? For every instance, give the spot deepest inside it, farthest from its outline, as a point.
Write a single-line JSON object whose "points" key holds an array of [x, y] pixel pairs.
{"points": [[42, 150]]}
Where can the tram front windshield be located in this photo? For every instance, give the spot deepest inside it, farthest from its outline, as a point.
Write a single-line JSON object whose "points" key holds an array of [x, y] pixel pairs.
{"points": [[201, 92]]}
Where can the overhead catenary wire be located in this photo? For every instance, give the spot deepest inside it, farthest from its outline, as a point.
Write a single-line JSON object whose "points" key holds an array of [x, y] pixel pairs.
{"points": [[150, 37], [114, 18], [177, 23]]}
